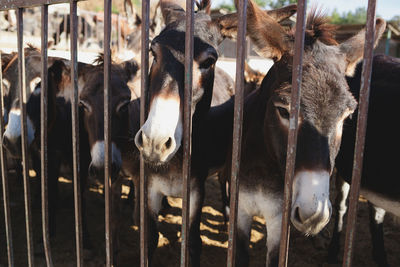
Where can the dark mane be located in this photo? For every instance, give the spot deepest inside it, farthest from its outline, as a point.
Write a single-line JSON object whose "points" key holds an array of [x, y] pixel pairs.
{"points": [[318, 28], [31, 49]]}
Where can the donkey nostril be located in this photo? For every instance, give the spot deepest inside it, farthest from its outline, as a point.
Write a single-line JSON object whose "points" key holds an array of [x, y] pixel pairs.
{"points": [[139, 139], [168, 143], [297, 214]]}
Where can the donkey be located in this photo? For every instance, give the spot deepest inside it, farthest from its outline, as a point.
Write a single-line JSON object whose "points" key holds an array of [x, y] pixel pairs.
{"points": [[159, 139], [379, 183], [59, 136], [325, 102]]}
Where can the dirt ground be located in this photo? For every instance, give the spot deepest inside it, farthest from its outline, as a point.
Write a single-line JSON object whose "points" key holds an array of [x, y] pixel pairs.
{"points": [[303, 251]]}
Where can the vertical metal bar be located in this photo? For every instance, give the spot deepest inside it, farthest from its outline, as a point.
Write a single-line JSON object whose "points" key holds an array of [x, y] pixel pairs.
{"points": [[143, 99], [24, 139], [4, 173], [118, 33], [75, 131], [293, 129], [187, 131], [107, 130], [65, 29], [237, 130], [43, 137], [361, 131], [387, 43]]}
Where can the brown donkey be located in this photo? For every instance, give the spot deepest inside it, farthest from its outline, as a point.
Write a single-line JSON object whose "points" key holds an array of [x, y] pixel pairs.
{"points": [[325, 102]]}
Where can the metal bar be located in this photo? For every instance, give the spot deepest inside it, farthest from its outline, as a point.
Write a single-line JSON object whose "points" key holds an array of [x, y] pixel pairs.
{"points": [[24, 143], [187, 131], [361, 131], [43, 137], [237, 131], [4, 174], [65, 28], [387, 43], [75, 132], [118, 33], [14, 4], [107, 130], [293, 129], [143, 100]]}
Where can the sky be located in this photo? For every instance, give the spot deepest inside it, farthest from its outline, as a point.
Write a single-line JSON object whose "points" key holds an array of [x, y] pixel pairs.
{"points": [[386, 9]]}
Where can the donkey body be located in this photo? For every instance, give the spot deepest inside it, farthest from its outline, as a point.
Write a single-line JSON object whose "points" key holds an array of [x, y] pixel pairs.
{"points": [[380, 184], [325, 102]]}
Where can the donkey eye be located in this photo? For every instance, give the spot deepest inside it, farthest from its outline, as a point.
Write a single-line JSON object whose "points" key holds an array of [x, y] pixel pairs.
{"points": [[207, 63], [85, 105], [283, 112], [122, 106]]}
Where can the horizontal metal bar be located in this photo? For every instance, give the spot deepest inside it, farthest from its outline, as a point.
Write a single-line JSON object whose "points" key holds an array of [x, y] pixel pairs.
{"points": [[293, 129], [13, 4], [361, 132]]}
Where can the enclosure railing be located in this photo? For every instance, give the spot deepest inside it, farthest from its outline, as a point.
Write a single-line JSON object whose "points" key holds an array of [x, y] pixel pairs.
{"points": [[19, 5]]}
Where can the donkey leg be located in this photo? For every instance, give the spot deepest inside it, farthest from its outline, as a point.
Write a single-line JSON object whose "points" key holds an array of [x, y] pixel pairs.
{"points": [[53, 173], [136, 208], [376, 217], [116, 217], [196, 204], [244, 221], [343, 189], [273, 239], [154, 206]]}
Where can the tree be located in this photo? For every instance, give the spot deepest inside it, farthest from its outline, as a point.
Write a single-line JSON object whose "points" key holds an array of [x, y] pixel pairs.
{"points": [[274, 4], [396, 20], [229, 5], [359, 16]]}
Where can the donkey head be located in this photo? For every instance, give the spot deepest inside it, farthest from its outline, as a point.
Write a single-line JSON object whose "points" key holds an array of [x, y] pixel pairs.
{"points": [[325, 103], [161, 135], [92, 101], [12, 135]]}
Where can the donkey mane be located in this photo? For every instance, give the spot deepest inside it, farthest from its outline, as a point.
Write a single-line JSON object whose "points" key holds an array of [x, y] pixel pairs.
{"points": [[8, 59], [318, 28]]}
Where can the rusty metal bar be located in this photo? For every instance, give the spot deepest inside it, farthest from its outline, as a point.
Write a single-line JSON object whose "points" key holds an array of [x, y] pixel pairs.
{"points": [[361, 131], [43, 137], [118, 33], [144, 261], [65, 28], [4, 175], [237, 130], [187, 131], [293, 129], [107, 131], [14, 4], [24, 143], [75, 132]]}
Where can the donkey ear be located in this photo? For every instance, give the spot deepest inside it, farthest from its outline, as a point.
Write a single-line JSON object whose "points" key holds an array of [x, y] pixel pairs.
{"points": [[204, 5], [283, 13], [131, 14], [266, 34], [172, 10], [353, 48], [227, 25], [59, 76]]}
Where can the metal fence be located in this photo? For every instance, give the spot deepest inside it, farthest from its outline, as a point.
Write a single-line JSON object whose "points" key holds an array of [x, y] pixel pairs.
{"points": [[19, 5]]}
